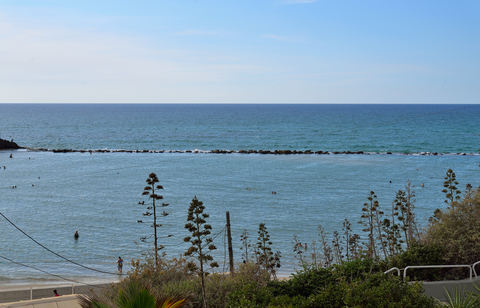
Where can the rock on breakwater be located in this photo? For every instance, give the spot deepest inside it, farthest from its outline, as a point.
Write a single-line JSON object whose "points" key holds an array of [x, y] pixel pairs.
{"points": [[8, 145]]}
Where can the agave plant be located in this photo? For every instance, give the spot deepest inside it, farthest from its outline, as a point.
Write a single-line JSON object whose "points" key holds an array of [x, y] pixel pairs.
{"points": [[133, 296], [460, 299]]}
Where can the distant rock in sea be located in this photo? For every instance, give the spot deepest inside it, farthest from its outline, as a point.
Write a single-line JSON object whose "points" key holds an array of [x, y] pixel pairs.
{"points": [[8, 145]]}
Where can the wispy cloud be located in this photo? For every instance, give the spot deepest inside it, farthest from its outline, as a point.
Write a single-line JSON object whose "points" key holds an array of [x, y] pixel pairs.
{"points": [[47, 63], [274, 37], [299, 1]]}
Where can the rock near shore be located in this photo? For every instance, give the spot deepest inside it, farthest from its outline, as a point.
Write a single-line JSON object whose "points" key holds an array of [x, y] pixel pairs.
{"points": [[8, 145]]}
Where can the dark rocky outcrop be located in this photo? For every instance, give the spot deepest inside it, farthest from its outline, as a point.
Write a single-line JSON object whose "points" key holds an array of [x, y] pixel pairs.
{"points": [[8, 145]]}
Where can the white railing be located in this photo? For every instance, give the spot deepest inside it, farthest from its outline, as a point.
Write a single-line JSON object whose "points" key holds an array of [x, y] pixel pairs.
{"points": [[392, 269], [472, 269], [435, 266]]}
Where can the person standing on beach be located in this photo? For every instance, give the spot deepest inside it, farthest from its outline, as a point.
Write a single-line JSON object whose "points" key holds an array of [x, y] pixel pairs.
{"points": [[55, 294], [120, 264]]}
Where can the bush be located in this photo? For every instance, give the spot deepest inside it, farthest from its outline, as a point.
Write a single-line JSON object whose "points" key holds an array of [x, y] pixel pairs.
{"points": [[379, 290], [172, 279], [348, 285], [457, 230], [248, 276], [306, 282], [420, 254], [357, 268]]}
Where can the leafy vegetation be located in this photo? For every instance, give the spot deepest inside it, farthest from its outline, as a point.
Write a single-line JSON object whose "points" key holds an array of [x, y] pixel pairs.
{"points": [[320, 287], [149, 191], [452, 194], [460, 299], [266, 259], [246, 246], [130, 295], [199, 228], [457, 230], [345, 270]]}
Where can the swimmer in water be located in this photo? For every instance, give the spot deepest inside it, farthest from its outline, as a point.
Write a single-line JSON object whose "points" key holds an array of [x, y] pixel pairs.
{"points": [[120, 264], [76, 236]]}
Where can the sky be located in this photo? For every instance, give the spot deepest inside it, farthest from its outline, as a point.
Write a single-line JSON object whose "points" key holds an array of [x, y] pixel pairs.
{"points": [[229, 51]]}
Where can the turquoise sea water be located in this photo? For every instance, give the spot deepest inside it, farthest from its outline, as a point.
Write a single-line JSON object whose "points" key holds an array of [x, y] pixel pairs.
{"points": [[98, 194]]}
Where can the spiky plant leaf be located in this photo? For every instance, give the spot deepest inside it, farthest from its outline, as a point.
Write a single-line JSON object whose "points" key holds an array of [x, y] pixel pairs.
{"points": [[460, 299]]}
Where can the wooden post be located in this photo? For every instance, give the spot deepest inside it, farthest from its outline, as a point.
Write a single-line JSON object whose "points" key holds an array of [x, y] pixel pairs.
{"points": [[230, 248]]}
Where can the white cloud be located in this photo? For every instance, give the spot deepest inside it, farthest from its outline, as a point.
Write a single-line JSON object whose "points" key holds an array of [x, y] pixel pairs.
{"points": [[44, 61], [47, 63]]}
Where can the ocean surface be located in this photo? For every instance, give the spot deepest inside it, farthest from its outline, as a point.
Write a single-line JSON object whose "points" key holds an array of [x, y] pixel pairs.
{"points": [[98, 194]]}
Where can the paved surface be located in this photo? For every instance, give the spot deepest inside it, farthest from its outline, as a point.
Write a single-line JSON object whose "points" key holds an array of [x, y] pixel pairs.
{"points": [[10, 294], [67, 301]]}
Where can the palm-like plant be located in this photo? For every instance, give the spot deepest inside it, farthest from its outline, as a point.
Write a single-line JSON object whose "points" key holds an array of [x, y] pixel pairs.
{"points": [[133, 296], [460, 299]]}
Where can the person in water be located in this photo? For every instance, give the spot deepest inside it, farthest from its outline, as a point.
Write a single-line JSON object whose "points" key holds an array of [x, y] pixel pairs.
{"points": [[120, 264], [76, 235]]}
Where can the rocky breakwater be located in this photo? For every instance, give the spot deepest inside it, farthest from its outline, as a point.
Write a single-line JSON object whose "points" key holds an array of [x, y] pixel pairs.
{"points": [[8, 145], [270, 152]]}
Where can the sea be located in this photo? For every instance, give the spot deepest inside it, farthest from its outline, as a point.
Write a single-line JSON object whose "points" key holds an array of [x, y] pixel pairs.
{"points": [[84, 167]]}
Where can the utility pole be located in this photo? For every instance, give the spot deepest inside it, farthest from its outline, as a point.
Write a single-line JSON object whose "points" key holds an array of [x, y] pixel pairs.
{"points": [[230, 248]]}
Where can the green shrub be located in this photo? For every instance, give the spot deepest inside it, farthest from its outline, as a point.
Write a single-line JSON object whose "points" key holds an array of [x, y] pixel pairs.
{"points": [[357, 268], [457, 230], [379, 290], [376, 290], [313, 279], [172, 278], [249, 295], [348, 285], [420, 254], [332, 296], [306, 282]]}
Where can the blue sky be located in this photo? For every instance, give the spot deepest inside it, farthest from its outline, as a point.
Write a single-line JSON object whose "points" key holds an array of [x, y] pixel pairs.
{"points": [[273, 51]]}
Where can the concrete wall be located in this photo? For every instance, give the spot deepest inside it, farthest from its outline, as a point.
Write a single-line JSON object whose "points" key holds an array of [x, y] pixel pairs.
{"points": [[9, 296], [437, 288], [67, 301]]}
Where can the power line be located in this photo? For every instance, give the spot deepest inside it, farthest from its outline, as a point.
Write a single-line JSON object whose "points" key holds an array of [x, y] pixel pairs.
{"points": [[224, 250], [73, 262], [61, 277], [215, 236]]}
